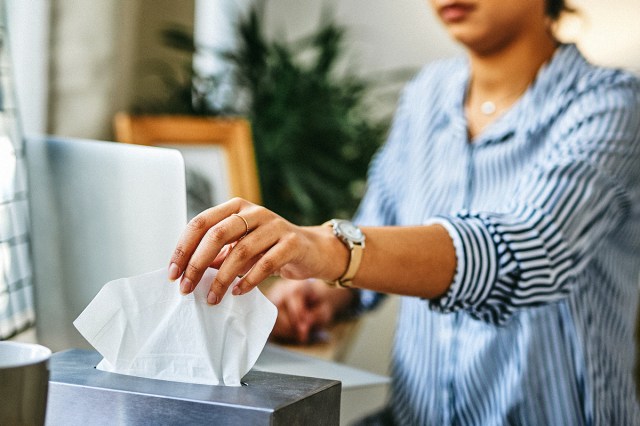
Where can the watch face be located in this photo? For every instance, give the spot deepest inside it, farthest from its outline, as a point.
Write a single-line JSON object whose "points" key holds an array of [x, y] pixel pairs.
{"points": [[350, 231]]}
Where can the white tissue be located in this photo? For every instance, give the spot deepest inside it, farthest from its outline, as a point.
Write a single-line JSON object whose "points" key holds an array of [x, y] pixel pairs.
{"points": [[144, 327]]}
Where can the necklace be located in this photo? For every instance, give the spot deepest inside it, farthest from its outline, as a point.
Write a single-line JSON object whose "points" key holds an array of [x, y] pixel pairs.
{"points": [[488, 108]]}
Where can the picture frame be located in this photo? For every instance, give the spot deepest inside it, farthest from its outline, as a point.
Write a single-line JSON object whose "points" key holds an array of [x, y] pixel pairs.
{"points": [[218, 153]]}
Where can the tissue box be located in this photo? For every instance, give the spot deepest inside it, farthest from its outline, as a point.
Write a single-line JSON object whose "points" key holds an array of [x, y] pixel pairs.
{"points": [[79, 394]]}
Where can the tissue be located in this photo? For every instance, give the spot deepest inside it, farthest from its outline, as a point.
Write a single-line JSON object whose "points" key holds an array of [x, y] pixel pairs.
{"points": [[144, 327]]}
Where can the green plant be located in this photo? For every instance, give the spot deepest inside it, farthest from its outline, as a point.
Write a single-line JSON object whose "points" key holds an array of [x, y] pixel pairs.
{"points": [[314, 135], [313, 131]]}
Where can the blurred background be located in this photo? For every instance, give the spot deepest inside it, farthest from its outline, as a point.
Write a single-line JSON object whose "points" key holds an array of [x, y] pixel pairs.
{"points": [[79, 63]]}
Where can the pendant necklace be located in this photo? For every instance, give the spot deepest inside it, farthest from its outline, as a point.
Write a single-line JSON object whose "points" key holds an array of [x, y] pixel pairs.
{"points": [[487, 108]]}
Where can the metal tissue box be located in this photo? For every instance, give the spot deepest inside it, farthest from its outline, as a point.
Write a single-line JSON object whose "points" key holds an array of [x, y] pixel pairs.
{"points": [[79, 394]]}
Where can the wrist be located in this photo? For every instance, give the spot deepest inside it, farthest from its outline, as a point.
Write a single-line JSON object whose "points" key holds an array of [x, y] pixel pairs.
{"points": [[334, 255], [353, 239]]}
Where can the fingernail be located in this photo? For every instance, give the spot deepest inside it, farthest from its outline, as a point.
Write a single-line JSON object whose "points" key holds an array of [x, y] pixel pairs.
{"points": [[186, 286], [212, 299], [236, 291], [174, 272]]}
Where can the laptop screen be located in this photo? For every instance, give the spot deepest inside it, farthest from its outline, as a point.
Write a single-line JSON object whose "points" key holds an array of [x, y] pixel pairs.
{"points": [[99, 211]]}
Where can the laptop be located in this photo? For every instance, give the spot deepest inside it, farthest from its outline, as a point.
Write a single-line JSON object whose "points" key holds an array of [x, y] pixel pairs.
{"points": [[99, 211]]}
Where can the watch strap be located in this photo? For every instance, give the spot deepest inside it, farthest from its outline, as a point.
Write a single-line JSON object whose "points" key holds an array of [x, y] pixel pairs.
{"points": [[355, 257], [356, 251]]}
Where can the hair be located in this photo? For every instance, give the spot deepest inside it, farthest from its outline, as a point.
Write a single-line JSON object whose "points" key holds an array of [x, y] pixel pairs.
{"points": [[555, 8]]}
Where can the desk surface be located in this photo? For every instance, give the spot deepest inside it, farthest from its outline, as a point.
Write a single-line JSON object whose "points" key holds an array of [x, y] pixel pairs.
{"points": [[332, 344], [277, 359]]}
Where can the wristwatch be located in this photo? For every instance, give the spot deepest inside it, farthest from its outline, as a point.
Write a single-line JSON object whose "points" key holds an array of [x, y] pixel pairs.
{"points": [[353, 238]]}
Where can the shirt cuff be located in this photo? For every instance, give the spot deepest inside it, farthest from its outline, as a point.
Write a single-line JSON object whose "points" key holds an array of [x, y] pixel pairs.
{"points": [[476, 263]]}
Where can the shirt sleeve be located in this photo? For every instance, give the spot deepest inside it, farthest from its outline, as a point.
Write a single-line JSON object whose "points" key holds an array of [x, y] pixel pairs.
{"points": [[581, 190]]}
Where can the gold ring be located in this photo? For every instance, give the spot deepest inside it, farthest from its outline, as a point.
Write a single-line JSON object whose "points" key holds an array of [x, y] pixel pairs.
{"points": [[246, 224]]}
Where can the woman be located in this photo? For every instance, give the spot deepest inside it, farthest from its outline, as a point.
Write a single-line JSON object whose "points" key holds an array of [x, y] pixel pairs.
{"points": [[505, 207]]}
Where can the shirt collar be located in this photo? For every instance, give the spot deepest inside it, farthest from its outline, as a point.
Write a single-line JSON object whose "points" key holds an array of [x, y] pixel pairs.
{"points": [[521, 116]]}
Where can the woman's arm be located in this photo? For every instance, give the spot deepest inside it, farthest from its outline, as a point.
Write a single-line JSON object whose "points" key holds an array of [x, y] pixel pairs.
{"points": [[417, 261]]}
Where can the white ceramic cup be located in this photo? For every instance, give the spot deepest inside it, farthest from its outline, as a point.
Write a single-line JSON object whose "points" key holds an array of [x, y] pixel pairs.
{"points": [[24, 383]]}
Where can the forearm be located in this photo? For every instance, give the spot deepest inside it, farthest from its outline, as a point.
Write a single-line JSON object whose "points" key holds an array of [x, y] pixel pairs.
{"points": [[240, 238], [416, 261]]}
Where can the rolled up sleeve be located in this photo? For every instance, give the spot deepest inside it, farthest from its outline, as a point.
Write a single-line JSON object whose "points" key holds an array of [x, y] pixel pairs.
{"points": [[578, 193]]}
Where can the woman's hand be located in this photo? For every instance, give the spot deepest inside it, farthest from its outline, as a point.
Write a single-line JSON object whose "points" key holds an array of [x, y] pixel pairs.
{"points": [[305, 307], [241, 238]]}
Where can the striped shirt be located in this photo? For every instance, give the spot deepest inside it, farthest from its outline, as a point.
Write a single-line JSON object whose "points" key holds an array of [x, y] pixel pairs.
{"points": [[537, 327]]}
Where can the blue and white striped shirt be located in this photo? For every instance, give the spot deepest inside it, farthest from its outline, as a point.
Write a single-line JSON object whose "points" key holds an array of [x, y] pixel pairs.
{"points": [[544, 210]]}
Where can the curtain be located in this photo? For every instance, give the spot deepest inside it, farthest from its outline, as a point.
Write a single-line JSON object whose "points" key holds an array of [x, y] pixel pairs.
{"points": [[16, 277]]}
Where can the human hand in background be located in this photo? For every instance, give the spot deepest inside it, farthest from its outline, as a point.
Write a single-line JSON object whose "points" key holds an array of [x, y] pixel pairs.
{"points": [[305, 307]]}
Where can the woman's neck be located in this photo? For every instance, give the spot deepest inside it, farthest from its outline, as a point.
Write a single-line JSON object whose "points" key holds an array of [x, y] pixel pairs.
{"points": [[506, 70], [500, 77]]}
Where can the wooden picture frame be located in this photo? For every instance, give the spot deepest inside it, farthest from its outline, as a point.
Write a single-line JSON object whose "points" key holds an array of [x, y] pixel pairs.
{"points": [[232, 135]]}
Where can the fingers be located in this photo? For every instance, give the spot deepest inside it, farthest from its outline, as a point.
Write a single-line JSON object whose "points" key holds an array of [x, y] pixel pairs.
{"points": [[202, 242], [320, 315], [278, 255], [291, 299], [287, 329], [312, 319], [200, 226], [238, 237], [260, 253], [217, 262], [281, 294], [285, 326], [212, 242]]}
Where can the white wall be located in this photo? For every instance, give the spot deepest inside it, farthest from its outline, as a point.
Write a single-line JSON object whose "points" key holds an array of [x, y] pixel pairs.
{"points": [[382, 35], [86, 68], [607, 32], [100, 52]]}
